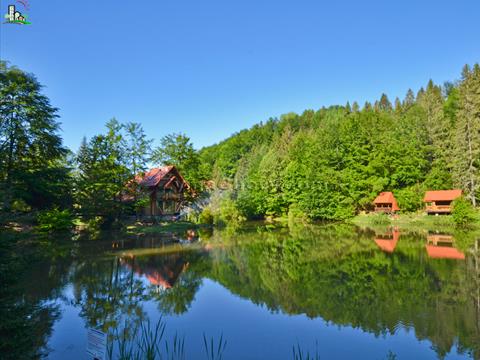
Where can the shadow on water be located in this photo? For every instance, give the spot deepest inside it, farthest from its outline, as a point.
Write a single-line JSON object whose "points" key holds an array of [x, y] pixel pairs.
{"points": [[379, 281]]}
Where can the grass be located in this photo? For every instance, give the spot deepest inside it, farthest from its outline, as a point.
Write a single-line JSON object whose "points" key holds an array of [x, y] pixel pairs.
{"points": [[178, 227], [145, 340], [411, 222]]}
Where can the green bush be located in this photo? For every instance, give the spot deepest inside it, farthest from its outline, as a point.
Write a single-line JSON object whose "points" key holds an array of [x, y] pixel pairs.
{"points": [[227, 214], [206, 217], [20, 206], [463, 212], [55, 220]]}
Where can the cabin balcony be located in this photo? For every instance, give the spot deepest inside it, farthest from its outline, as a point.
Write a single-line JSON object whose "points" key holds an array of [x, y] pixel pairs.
{"points": [[384, 209], [439, 209]]}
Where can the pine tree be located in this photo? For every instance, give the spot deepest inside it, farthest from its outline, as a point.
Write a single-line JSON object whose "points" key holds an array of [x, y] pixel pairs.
{"points": [[348, 108], [398, 105], [384, 104], [355, 107], [467, 133], [409, 99]]}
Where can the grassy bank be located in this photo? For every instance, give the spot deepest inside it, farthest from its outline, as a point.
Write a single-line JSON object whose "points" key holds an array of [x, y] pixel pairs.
{"points": [[414, 222], [177, 227]]}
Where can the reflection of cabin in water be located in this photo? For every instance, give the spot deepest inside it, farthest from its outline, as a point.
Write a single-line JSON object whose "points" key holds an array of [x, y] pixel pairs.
{"points": [[385, 202], [440, 246], [167, 190], [440, 201], [161, 271], [388, 242]]}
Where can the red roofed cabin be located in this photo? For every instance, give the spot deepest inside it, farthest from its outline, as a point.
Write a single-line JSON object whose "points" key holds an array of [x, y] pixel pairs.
{"points": [[440, 201], [385, 202], [167, 188]]}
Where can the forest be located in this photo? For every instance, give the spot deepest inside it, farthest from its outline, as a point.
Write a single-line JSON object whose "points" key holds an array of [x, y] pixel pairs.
{"points": [[326, 164]]}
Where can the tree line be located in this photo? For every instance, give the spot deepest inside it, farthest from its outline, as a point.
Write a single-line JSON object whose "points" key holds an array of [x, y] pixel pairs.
{"points": [[331, 163], [325, 164]]}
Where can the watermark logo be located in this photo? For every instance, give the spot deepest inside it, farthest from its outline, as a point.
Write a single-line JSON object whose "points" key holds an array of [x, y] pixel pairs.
{"points": [[13, 16]]}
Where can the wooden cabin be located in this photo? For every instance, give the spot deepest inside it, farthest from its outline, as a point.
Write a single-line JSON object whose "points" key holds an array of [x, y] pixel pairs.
{"points": [[167, 189], [440, 201], [385, 202]]}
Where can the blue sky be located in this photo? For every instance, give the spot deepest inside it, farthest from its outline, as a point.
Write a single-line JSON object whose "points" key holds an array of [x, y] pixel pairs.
{"points": [[211, 68]]}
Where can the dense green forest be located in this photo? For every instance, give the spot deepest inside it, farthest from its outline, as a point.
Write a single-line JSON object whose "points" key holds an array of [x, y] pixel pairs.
{"points": [[326, 164], [331, 163]]}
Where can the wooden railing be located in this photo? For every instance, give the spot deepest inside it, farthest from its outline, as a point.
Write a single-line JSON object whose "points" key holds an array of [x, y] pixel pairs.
{"points": [[439, 208], [383, 208]]}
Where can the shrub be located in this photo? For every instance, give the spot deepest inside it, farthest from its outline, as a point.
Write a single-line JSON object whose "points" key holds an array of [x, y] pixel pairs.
{"points": [[206, 217], [228, 214], [463, 212], [20, 206], [55, 220]]}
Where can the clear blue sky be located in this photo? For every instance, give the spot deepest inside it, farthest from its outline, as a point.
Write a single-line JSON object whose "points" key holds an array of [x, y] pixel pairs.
{"points": [[210, 68]]}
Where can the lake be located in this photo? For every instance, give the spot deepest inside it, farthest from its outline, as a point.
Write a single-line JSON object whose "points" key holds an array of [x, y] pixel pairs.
{"points": [[335, 290]]}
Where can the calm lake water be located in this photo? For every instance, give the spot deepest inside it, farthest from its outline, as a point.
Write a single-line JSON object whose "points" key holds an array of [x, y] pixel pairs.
{"points": [[345, 292]]}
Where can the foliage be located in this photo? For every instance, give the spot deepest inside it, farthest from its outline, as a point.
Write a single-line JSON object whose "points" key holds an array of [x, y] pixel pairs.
{"points": [[331, 163], [177, 150], [32, 166], [463, 212], [55, 220], [410, 198], [227, 213], [106, 167], [206, 216]]}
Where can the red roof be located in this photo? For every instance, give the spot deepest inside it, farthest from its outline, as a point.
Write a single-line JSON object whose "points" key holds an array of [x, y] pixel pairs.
{"points": [[444, 252], [387, 198], [154, 176], [442, 195]]}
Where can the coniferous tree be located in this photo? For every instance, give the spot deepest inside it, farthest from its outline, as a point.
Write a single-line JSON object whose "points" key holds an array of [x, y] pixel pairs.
{"points": [[384, 104], [439, 136], [398, 105], [355, 107], [467, 133], [102, 175], [409, 99], [137, 148]]}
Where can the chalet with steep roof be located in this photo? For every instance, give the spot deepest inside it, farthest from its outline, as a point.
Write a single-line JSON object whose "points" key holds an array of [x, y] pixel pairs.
{"points": [[385, 202], [166, 188], [440, 201]]}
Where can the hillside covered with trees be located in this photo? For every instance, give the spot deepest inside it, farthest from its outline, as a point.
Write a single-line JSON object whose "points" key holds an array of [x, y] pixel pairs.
{"points": [[327, 164], [331, 163]]}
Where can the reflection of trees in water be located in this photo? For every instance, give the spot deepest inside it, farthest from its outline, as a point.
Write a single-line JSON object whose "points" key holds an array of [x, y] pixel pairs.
{"points": [[29, 285], [331, 272], [342, 276], [111, 292]]}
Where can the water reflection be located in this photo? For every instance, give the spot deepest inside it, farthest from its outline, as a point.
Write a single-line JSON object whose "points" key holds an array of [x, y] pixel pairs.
{"points": [[387, 241], [334, 273], [441, 246]]}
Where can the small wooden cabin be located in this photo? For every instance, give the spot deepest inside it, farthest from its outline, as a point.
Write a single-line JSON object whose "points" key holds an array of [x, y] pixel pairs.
{"points": [[385, 202], [440, 201], [166, 188]]}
